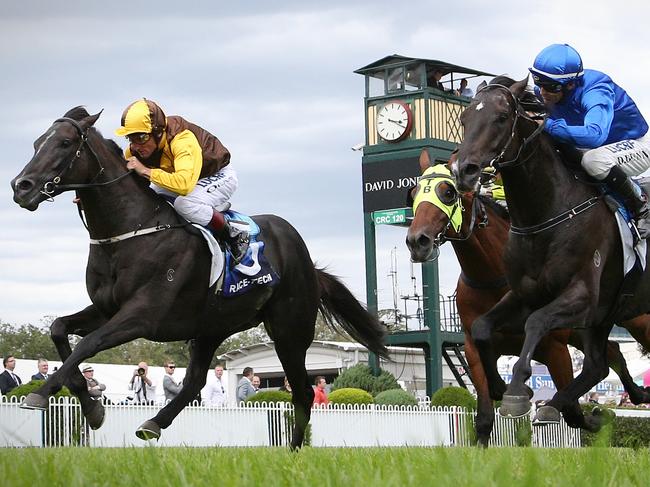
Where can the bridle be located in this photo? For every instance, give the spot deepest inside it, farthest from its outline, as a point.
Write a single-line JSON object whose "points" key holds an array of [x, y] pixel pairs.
{"points": [[54, 186], [496, 161]]}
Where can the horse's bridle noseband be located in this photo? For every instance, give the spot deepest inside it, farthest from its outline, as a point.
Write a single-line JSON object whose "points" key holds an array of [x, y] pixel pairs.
{"points": [[53, 186]]}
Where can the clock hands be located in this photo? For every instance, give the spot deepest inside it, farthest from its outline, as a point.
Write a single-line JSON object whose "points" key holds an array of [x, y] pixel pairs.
{"points": [[396, 122]]}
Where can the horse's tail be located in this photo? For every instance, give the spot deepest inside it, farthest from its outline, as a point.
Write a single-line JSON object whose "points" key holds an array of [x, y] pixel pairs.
{"points": [[339, 307]]}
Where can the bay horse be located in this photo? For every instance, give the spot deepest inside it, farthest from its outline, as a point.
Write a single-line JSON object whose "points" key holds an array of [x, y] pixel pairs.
{"points": [[155, 284], [563, 259], [479, 243]]}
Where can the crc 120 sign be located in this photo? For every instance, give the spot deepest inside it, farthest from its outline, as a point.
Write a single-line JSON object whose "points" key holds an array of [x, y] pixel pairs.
{"points": [[390, 217]]}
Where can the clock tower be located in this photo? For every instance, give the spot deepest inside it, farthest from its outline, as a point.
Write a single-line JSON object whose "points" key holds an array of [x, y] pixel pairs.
{"points": [[410, 104]]}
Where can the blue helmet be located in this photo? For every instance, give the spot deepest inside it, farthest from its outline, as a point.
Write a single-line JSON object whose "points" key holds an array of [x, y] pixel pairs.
{"points": [[557, 64]]}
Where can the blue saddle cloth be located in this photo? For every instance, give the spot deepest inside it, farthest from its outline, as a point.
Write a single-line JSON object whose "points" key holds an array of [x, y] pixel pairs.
{"points": [[254, 270]]}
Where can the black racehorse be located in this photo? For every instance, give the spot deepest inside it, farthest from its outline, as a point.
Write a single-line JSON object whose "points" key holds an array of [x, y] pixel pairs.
{"points": [[152, 281], [564, 259], [479, 244]]}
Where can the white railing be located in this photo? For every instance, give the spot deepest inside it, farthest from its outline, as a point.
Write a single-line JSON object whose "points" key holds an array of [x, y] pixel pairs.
{"points": [[266, 425]]}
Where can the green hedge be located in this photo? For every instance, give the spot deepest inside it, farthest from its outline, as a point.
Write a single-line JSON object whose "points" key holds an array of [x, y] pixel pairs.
{"points": [[269, 397], [360, 377], [32, 385], [454, 396], [350, 395], [396, 397], [624, 432]]}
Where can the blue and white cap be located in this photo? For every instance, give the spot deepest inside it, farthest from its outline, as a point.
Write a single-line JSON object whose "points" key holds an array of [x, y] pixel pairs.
{"points": [[557, 63]]}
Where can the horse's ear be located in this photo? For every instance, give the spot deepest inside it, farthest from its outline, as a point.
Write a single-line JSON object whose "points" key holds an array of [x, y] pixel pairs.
{"points": [[90, 120], [519, 88], [481, 85], [425, 159]]}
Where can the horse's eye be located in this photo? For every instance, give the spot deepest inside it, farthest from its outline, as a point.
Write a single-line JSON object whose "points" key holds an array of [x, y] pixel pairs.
{"points": [[502, 117], [66, 143]]}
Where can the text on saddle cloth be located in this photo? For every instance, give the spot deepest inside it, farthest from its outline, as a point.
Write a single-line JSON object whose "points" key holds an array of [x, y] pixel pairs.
{"points": [[254, 270]]}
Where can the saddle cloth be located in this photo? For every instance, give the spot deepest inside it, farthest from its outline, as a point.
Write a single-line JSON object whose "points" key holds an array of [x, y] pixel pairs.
{"points": [[254, 270], [633, 252]]}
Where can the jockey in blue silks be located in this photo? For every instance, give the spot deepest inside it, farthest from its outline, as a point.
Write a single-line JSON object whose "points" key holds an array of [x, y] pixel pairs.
{"points": [[589, 111]]}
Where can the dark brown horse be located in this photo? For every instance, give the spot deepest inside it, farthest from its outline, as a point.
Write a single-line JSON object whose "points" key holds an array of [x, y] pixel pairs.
{"points": [[479, 245], [153, 283], [563, 259]]}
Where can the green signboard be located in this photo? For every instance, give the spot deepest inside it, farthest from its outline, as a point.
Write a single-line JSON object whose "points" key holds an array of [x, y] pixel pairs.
{"points": [[390, 217]]}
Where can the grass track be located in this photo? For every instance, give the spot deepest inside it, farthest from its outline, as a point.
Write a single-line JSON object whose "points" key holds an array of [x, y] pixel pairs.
{"points": [[458, 467]]}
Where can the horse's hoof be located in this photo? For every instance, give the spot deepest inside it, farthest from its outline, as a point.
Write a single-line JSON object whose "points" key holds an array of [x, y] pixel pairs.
{"points": [[148, 431], [95, 418], [35, 401], [515, 406], [546, 415]]}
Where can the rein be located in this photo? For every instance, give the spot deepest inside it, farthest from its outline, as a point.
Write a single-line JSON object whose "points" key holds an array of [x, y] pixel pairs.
{"points": [[51, 187]]}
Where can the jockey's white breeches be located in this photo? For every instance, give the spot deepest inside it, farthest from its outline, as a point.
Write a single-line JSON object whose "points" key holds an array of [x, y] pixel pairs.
{"points": [[632, 156], [209, 193]]}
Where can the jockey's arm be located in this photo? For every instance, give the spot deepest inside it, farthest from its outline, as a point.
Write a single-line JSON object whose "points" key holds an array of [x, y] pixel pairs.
{"points": [[187, 163]]}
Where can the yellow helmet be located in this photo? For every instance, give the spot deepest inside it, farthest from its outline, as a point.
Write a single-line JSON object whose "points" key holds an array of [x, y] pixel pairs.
{"points": [[142, 116]]}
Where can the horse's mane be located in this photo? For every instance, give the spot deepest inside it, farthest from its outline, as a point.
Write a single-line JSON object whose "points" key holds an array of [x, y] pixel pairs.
{"points": [[528, 100]]}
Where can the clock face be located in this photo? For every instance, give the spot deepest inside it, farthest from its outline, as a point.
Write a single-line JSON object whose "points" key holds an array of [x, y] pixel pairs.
{"points": [[394, 121]]}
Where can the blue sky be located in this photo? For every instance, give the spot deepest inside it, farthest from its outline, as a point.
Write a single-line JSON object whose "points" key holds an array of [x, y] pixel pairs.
{"points": [[274, 81]]}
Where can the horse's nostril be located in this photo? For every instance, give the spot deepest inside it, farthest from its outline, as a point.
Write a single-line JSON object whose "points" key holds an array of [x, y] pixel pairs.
{"points": [[423, 241], [24, 185], [472, 169]]}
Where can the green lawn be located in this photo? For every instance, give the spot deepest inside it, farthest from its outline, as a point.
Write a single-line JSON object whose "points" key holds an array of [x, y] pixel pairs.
{"points": [[315, 467]]}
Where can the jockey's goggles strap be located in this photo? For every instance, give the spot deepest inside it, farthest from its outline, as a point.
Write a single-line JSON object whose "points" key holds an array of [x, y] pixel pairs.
{"points": [[426, 191]]}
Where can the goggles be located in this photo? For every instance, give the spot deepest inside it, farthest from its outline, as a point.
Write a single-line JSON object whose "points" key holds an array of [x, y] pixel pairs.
{"points": [[138, 138]]}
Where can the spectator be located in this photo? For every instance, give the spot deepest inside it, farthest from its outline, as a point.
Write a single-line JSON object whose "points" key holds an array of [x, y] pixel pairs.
{"points": [[464, 90], [593, 398], [256, 383], [625, 401], [320, 396], [143, 387], [95, 389], [170, 386], [43, 367], [245, 386], [215, 393], [9, 380], [286, 387], [433, 80]]}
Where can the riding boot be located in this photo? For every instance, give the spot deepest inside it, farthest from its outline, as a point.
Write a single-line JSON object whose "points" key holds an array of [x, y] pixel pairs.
{"points": [[633, 197], [235, 239]]}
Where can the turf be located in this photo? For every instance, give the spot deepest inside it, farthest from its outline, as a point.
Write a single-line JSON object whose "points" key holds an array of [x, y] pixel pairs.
{"points": [[456, 467]]}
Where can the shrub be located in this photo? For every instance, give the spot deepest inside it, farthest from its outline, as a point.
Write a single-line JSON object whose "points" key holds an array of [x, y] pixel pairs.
{"points": [[350, 395], [31, 386], [625, 431], [360, 377], [269, 397], [454, 396], [396, 397]]}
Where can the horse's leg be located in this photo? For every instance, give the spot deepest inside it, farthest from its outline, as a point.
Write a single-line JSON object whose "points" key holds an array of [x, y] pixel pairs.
{"points": [[570, 307], [616, 361], [509, 314], [594, 369], [201, 353], [639, 328], [127, 325], [484, 421], [80, 323]]}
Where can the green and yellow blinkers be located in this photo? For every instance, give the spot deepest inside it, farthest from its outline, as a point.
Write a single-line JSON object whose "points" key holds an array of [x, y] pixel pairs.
{"points": [[445, 198]]}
